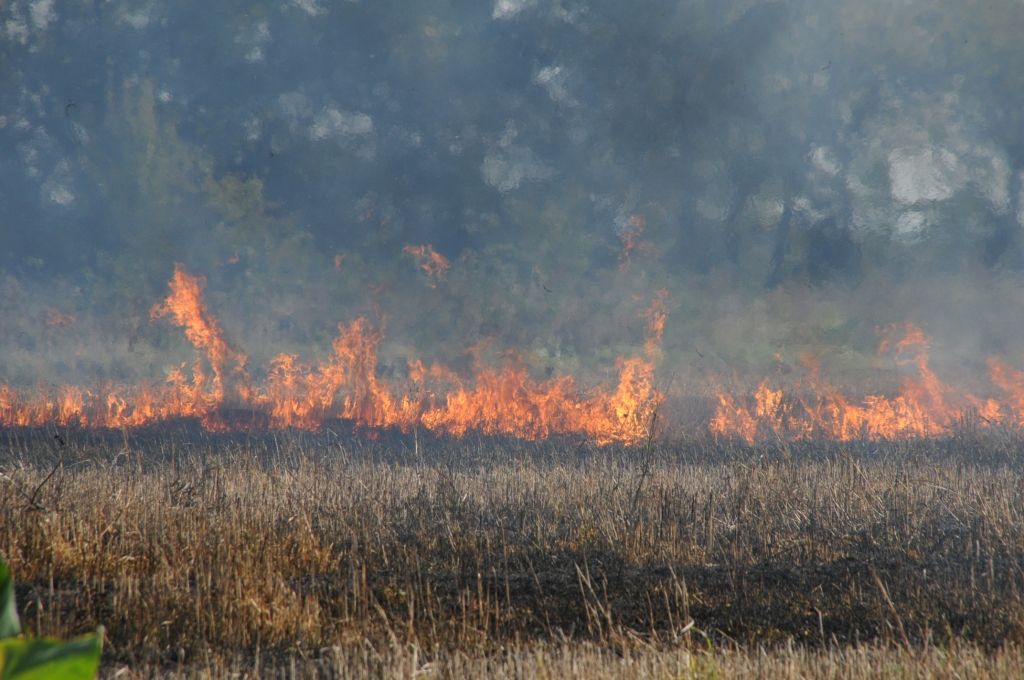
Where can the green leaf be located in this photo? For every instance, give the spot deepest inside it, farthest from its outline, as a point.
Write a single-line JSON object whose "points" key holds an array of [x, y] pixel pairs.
{"points": [[45, 658], [9, 624]]}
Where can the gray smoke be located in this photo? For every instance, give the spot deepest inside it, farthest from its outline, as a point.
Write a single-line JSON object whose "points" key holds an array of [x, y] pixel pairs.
{"points": [[803, 172]]}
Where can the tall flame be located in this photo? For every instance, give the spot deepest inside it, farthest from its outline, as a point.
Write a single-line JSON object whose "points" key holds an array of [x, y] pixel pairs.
{"points": [[188, 309]]}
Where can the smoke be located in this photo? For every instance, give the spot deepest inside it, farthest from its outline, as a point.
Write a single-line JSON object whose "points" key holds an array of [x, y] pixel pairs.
{"points": [[795, 174]]}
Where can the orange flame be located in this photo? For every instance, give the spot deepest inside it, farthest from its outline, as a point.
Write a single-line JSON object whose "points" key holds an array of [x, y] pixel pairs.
{"points": [[434, 264], [630, 234], [1010, 382], [346, 386], [186, 306], [502, 399], [655, 315], [924, 406]]}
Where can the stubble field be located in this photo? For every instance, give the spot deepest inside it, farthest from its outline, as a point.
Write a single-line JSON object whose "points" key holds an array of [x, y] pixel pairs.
{"points": [[298, 555]]}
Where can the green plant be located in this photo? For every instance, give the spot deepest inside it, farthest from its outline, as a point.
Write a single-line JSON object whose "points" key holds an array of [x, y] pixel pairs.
{"points": [[29, 658]]}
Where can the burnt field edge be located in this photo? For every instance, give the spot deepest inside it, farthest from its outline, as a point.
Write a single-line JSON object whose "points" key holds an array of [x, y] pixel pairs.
{"points": [[44, 445]]}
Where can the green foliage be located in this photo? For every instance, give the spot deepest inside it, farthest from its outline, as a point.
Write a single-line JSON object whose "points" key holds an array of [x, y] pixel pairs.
{"points": [[26, 658], [43, 658], [9, 624]]}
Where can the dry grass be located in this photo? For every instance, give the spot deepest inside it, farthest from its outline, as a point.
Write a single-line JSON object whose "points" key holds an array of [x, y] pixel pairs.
{"points": [[590, 662], [334, 556]]}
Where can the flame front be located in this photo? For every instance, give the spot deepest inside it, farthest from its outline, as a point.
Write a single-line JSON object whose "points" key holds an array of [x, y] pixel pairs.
{"points": [[346, 386], [217, 389], [923, 407]]}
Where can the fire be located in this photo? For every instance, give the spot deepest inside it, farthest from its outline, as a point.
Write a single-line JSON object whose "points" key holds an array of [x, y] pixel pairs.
{"points": [[218, 390], [345, 385], [509, 401], [502, 400], [924, 406], [655, 315], [188, 310], [629, 234], [1010, 382], [434, 264]]}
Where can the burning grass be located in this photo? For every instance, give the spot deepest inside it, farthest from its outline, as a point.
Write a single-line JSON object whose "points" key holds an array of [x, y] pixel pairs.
{"points": [[335, 554], [504, 400]]}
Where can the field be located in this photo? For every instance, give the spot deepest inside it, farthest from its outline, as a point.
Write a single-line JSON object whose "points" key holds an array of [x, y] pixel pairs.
{"points": [[299, 555]]}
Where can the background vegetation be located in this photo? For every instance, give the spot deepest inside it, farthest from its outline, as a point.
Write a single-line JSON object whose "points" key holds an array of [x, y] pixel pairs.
{"points": [[804, 172]]}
